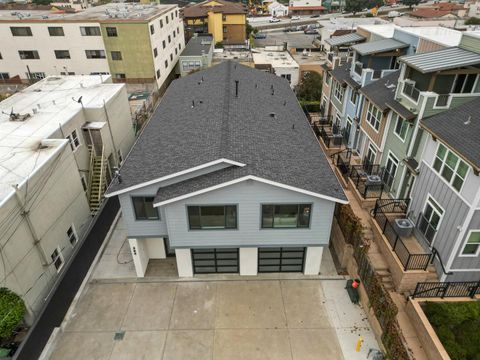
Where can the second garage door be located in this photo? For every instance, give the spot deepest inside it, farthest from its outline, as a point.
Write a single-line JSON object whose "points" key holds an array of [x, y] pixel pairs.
{"points": [[283, 259]]}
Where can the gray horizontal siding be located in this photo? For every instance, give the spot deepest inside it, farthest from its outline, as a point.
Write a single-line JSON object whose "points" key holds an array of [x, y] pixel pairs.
{"points": [[468, 262], [249, 196], [455, 209]]}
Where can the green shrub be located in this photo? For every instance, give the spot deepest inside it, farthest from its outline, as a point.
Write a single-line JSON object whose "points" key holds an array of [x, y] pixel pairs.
{"points": [[12, 310], [219, 45], [472, 21], [457, 325]]}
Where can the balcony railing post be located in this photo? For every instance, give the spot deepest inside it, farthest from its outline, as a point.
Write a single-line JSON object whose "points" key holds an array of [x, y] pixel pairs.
{"points": [[427, 262], [395, 243], [415, 292], [445, 289], [384, 225], [408, 260]]}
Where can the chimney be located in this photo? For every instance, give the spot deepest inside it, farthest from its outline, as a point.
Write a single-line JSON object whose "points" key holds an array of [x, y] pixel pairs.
{"points": [[236, 88]]}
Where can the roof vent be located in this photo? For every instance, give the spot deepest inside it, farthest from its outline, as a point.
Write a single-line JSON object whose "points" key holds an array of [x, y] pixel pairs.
{"points": [[469, 120], [273, 115], [236, 88]]}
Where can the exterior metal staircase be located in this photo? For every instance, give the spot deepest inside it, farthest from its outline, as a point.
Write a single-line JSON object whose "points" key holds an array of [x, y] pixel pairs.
{"points": [[98, 180]]}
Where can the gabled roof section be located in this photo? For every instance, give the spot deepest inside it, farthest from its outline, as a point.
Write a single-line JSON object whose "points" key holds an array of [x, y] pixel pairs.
{"points": [[345, 39], [459, 129], [445, 59], [342, 73], [201, 119], [379, 46]]}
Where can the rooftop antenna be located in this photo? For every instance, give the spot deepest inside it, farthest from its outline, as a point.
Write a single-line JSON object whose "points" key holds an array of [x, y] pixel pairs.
{"points": [[236, 88], [79, 100]]}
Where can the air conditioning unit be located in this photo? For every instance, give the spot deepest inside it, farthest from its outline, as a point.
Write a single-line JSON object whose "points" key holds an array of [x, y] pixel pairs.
{"points": [[374, 180]]}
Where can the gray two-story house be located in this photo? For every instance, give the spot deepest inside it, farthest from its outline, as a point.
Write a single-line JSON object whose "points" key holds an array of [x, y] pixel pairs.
{"points": [[228, 177]]}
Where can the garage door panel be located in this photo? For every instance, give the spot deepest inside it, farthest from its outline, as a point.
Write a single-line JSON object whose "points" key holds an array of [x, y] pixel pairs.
{"points": [[289, 259], [215, 261]]}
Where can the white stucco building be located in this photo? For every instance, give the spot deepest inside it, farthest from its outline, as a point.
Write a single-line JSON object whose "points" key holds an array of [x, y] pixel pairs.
{"points": [[280, 63]]}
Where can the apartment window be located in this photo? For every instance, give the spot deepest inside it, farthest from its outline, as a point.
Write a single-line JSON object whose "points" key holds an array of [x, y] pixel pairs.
{"points": [[56, 31], [464, 83], [1, 57], [288, 77], [144, 209], [90, 31], [338, 91], [152, 29], [374, 115], [174, 33], [430, 219], [99, 73], [57, 259], [171, 15], [171, 57], [176, 51], [450, 167], [472, 246], [179, 46], [120, 76], [72, 235], [116, 55], [401, 127], [224, 17], [169, 39], [166, 64], [67, 73], [212, 217], [155, 52], [224, 29], [36, 75], [190, 65], [112, 32], [95, 54], [21, 31], [178, 31], [353, 97], [176, 13], [62, 54], [164, 44], [158, 74], [4, 76], [161, 23], [74, 140], [286, 216], [166, 19], [28, 54]]}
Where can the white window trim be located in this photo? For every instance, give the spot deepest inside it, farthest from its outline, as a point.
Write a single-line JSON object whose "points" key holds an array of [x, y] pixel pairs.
{"points": [[72, 143], [465, 244], [72, 226], [439, 173], [379, 120], [374, 150], [435, 205], [356, 97], [395, 128], [342, 91], [60, 255], [408, 81]]}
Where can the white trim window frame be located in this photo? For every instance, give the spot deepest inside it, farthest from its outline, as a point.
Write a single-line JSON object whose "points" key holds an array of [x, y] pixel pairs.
{"points": [[450, 167], [431, 210], [57, 259], [338, 92], [72, 235], [353, 97], [374, 116], [74, 140], [476, 242], [401, 128]]}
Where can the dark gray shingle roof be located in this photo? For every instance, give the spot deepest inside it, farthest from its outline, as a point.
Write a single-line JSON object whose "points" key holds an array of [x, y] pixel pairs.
{"points": [[459, 128], [342, 73], [198, 45], [220, 125]]}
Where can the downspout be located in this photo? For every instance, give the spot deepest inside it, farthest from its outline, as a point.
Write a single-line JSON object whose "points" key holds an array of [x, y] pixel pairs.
{"points": [[115, 153]]}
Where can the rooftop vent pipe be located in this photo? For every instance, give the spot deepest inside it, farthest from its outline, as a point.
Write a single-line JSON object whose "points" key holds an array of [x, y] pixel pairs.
{"points": [[236, 88]]}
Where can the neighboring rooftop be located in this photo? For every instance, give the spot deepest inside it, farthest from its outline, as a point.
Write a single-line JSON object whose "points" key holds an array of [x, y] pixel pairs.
{"points": [[379, 46], [333, 24], [44, 107], [277, 59], [438, 34], [450, 58], [200, 119], [198, 45], [459, 128], [115, 12], [382, 94], [383, 30], [346, 39], [218, 6]]}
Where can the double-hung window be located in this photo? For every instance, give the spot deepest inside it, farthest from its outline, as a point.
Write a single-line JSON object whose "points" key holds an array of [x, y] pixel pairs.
{"points": [[353, 97], [212, 217], [472, 246], [62, 54], [286, 216], [21, 31], [28, 54], [450, 167], [401, 127], [112, 32], [144, 209], [73, 139], [72, 235], [56, 31], [57, 259], [116, 55], [95, 54], [90, 31], [374, 115], [338, 91]]}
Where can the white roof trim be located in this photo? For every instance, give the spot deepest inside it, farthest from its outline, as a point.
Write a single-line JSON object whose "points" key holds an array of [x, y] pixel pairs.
{"points": [[174, 175], [249, 177]]}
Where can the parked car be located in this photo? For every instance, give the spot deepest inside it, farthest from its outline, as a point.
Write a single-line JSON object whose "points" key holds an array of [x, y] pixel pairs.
{"points": [[394, 14], [315, 16], [274, 20], [310, 31], [260, 36], [295, 18]]}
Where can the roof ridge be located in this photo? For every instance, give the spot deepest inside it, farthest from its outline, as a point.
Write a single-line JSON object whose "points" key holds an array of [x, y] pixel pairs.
{"points": [[224, 138]]}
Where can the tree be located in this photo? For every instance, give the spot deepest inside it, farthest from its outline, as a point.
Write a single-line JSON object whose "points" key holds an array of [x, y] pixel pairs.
{"points": [[310, 88], [472, 21], [410, 3], [355, 6], [12, 311]]}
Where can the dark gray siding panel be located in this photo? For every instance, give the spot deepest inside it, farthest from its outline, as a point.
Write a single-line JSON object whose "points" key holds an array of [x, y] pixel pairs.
{"points": [[455, 210], [468, 262]]}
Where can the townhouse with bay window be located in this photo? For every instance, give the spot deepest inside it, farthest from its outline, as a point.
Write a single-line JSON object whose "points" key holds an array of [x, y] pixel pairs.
{"points": [[229, 179]]}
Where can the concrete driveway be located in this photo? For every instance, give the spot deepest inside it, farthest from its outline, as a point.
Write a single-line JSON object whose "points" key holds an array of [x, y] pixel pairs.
{"points": [[266, 319]]}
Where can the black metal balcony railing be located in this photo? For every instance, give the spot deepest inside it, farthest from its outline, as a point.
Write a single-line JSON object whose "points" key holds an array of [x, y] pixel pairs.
{"points": [[409, 260], [341, 160], [411, 91], [359, 175], [447, 289]]}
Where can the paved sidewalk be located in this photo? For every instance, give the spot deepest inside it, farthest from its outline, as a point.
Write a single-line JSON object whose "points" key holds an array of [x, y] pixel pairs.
{"points": [[253, 319]]}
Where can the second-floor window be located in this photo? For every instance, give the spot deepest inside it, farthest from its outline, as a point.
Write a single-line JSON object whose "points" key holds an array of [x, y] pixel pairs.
{"points": [[62, 54], [212, 217], [464, 83], [353, 97], [21, 31], [144, 209], [374, 115], [112, 32], [90, 31], [56, 31], [338, 91], [74, 141], [450, 167], [116, 55], [95, 54], [28, 54], [401, 127], [286, 216]]}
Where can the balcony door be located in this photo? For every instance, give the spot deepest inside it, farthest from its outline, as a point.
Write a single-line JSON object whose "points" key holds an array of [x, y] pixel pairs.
{"points": [[390, 171], [430, 219]]}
